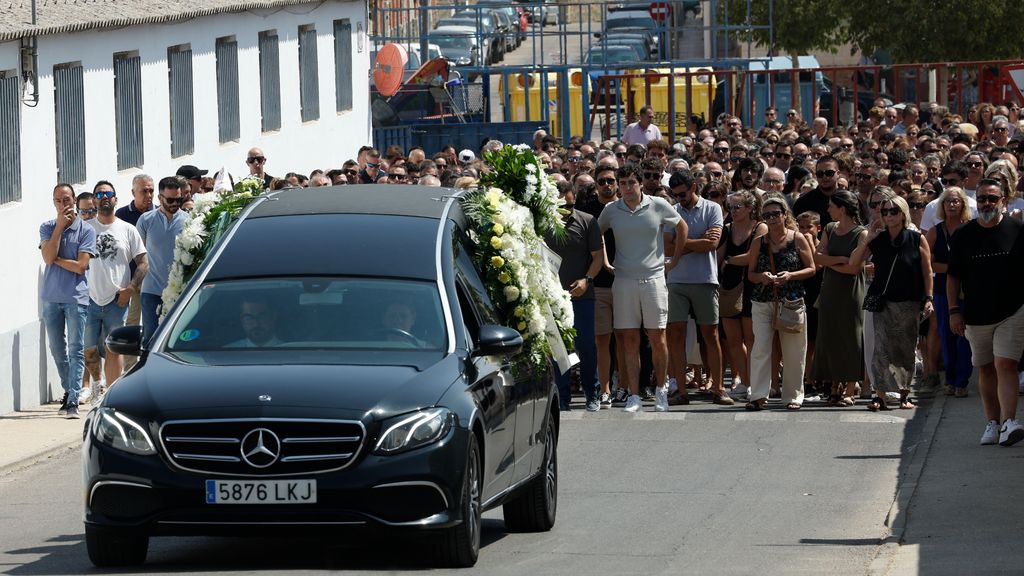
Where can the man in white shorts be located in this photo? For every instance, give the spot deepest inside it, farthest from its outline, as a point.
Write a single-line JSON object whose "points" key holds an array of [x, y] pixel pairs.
{"points": [[639, 290]]}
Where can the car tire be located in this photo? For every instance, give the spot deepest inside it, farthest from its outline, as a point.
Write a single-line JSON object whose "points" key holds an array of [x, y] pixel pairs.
{"points": [[534, 509], [115, 547], [460, 546]]}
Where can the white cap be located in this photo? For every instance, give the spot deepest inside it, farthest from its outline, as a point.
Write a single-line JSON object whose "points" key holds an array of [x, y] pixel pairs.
{"points": [[466, 156]]}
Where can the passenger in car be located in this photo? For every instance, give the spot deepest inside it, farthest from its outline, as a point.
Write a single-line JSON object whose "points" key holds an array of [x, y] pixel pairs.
{"points": [[258, 318]]}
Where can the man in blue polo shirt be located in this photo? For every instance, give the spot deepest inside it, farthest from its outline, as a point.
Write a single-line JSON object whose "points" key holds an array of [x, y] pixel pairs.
{"points": [[158, 229], [67, 243], [693, 284]]}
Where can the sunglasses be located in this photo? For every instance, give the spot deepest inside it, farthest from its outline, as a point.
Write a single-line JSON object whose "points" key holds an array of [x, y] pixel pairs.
{"points": [[715, 174], [825, 173], [651, 175], [737, 206], [889, 211], [105, 194], [950, 181], [606, 181], [372, 165], [89, 212], [255, 159], [953, 201], [722, 150], [349, 172], [171, 201], [768, 154], [714, 195], [790, 113], [574, 159], [396, 176], [847, 146], [772, 181], [783, 155], [917, 205], [974, 164], [862, 176], [1004, 129], [988, 198], [771, 215]]}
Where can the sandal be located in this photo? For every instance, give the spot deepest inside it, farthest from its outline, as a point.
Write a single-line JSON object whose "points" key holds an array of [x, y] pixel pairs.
{"points": [[846, 402], [950, 390], [754, 405], [961, 392], [792, 406], [877, 404], [907, 404]]}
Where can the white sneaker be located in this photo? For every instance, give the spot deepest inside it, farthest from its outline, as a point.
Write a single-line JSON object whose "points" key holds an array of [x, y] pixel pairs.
{"points": [[606, 399], [991, 435], [672, 385], [1011, 433], [661, 399], [85, 394], [633, 404], [739, 391]]}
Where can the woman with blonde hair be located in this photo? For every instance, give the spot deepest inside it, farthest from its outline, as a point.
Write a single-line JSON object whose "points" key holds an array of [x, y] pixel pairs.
{"points": [[900, 296], [779, 263], [954, 211], [986, 110]]}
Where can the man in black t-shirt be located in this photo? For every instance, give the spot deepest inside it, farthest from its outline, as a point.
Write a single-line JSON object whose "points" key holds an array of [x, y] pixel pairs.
{"points": [[817, 200], [985, 259]]}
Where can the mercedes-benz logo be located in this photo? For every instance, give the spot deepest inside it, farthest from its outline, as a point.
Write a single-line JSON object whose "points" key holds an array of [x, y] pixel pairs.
{"points": [[260, 448]]}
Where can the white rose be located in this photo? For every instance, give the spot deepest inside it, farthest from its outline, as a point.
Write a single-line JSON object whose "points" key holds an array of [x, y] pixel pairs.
{"points": [[511, 293]]}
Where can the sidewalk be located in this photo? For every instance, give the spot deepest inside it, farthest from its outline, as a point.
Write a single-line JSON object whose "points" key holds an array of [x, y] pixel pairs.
{"points": [[964, 514], [29, 436]]}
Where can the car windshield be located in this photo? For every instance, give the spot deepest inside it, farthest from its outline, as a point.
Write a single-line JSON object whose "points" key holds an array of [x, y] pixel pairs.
{"points": [[311, 313], [452, 41], [610, 56], [630, 23]]}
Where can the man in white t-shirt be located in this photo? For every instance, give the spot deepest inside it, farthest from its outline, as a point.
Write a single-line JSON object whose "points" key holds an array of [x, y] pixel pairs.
{"points": [[111, 282], [954, 173]]}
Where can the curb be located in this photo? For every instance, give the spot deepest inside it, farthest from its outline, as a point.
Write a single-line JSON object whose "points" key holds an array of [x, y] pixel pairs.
{"points": [[37, 457], [896, 519]]}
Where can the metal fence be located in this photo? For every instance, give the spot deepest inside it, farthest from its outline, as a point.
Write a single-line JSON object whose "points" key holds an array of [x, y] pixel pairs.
{"points": [[343, 65], [309, 74], [228, 116], [69, 122], [10, 135], [183, 132], [270, 81], [128, 111]]}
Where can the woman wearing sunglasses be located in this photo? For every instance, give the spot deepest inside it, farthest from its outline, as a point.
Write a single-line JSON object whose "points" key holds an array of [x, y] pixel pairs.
{"points": [[779, 263], [900, 294]]}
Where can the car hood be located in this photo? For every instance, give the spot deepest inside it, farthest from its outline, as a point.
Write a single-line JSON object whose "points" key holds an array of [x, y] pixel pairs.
{"points": [[165, 389]]}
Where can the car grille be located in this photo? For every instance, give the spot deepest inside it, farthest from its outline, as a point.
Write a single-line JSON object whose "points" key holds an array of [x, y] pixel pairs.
{"points": [[262, 447]]}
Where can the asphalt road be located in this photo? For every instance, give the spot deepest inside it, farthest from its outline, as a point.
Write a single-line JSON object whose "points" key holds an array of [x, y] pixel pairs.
{"points": [[698, 490]]}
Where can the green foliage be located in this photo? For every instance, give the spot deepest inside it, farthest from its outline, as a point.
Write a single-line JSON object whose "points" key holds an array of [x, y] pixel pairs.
{"points": [[800, 26]]}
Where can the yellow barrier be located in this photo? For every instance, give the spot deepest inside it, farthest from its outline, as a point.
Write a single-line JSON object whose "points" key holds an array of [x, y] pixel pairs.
{"points": [[517, 100], [702, 89]]}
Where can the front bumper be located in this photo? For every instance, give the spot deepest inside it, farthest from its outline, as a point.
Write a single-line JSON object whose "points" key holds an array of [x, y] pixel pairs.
{"points": [[417, 489]]}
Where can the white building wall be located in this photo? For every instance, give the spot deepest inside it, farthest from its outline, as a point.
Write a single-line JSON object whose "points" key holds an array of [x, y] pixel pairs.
{"points": [[27, 377]]}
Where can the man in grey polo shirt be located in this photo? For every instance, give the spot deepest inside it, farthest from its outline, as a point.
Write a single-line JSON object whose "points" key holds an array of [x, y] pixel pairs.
{"points": [[158, 229], [67, 243], [639, 291], [693, 284]]}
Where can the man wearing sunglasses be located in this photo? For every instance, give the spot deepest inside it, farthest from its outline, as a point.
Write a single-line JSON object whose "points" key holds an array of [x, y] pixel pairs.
{"points": [[113, 281], [372, 173], [817, 200], [158, 229], [984, 266], [257, 162]]}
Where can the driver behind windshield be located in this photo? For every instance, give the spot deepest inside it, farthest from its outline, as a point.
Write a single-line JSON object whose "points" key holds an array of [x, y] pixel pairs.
{"points": [[398, 320], [259, 322]]}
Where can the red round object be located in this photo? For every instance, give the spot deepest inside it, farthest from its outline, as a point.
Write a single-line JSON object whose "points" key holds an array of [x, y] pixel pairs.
{"points": [[389, 67]]}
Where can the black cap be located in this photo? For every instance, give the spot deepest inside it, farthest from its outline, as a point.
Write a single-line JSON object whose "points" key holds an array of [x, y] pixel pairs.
{"points": [[189, 172]]}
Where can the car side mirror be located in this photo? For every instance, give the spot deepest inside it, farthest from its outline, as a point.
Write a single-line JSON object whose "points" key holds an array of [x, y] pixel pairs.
{"points": [[497, 341], [125, 340]]}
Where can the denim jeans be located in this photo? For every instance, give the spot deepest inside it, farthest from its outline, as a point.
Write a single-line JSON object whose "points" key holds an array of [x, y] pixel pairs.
{"points": [[67, 349], [956, 350], [586, 349], [151, 304], [103, 319]]}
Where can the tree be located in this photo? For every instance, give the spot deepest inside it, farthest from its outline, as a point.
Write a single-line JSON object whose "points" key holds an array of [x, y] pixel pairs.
{"points": [[921, 31]]}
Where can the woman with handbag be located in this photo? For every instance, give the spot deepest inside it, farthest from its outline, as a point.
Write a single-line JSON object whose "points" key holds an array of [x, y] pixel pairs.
{"points": [[899, 296], [840, 339], [735, 288], [779, 263]]}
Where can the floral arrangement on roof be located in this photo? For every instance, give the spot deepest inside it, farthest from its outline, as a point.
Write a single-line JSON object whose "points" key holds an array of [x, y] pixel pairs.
{"points": [[212, 214], [513, 210]]}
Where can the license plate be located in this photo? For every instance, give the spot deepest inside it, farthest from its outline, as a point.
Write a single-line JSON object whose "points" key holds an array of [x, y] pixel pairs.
{"points": [[261, 491]]}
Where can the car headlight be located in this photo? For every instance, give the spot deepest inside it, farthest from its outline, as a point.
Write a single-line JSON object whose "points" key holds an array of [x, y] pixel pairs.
{"points": [[410, 431], [464, 61], [121, 432]]}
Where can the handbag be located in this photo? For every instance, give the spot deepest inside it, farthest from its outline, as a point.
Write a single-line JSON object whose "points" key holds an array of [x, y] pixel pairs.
{"points": [[875, 302], [790, 314], [730, 301]]}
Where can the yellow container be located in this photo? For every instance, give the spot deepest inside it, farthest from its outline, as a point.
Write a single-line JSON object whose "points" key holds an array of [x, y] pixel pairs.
{"points": [[702, 89], [517, 100]]}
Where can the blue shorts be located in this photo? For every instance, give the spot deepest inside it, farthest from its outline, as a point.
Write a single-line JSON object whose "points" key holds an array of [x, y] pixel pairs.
{"points": [[101, 320]]}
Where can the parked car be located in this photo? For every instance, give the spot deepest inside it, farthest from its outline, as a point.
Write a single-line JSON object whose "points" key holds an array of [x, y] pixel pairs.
{"points": [[460, 44], [485, 28], [636, 43], [622, 33], [610, 55], [509, 30], [633, 21], [290, 393], [506, 7]]}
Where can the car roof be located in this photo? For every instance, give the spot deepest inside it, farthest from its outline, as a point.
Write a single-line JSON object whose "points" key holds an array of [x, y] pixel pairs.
{"points": [[383, 199], [453, 28]]}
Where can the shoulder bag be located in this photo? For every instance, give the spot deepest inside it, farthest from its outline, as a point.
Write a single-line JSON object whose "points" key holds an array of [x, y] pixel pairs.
{"points": [[875, 302], [790, 314], [730, 300]]}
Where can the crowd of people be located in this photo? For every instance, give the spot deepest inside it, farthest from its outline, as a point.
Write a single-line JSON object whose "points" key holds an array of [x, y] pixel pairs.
{"points": [[844, 263]]}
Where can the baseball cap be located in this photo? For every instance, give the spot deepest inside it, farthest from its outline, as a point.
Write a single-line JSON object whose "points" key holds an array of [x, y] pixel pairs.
{"points": [[466, 156], [189, 172]]}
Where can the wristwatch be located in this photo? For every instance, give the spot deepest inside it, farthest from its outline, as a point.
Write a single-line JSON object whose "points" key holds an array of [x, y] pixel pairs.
{"points": [[589, 279]]}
